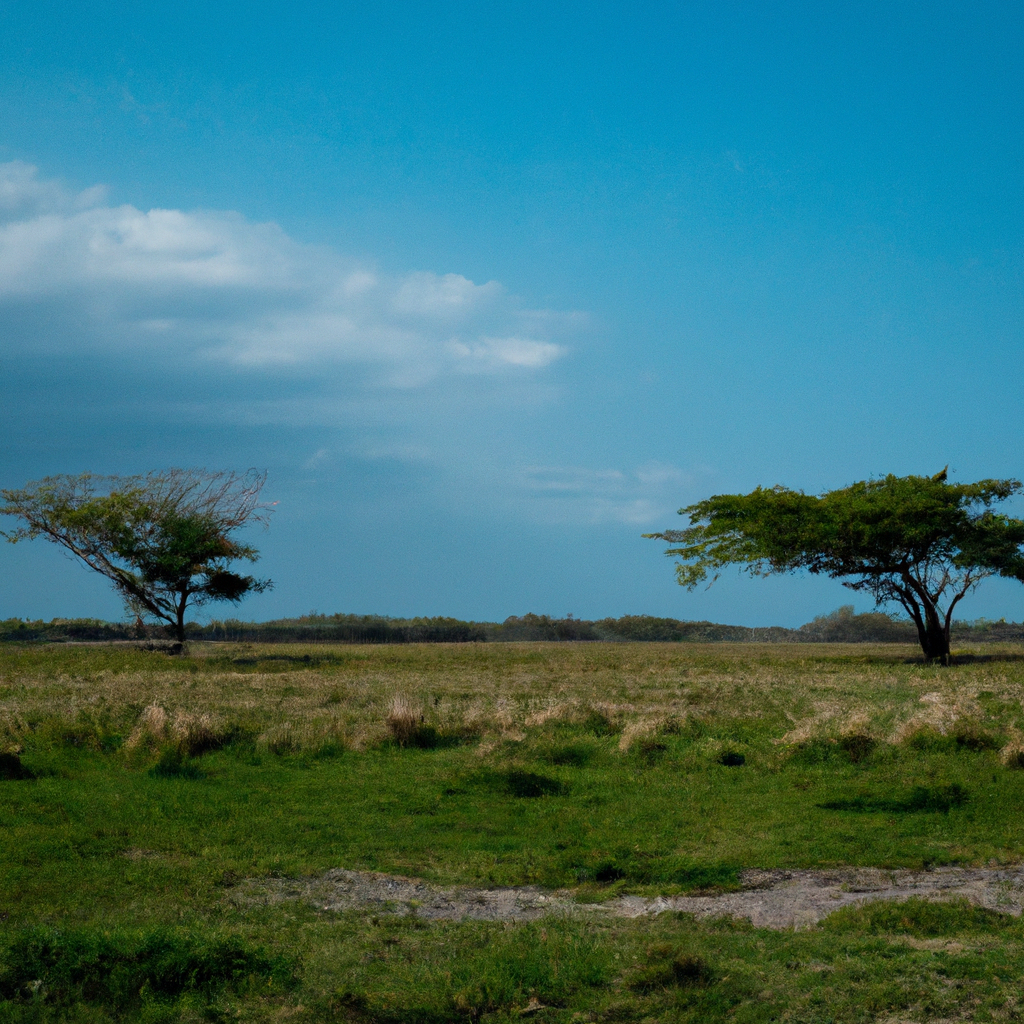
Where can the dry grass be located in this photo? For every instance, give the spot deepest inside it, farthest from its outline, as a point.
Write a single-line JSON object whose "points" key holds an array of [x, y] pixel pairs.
{"points": [[402, 720], [294, 696]]}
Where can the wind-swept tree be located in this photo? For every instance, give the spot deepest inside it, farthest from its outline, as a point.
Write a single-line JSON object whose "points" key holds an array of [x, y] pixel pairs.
{"points": [[919, 541], [163, 539]]}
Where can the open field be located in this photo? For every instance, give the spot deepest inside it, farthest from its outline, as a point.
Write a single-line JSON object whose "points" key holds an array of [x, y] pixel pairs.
{"points": [[154, 809]]}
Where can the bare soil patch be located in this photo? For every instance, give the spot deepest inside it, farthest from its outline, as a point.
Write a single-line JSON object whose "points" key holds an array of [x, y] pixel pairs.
{"points": [[769, 899]]}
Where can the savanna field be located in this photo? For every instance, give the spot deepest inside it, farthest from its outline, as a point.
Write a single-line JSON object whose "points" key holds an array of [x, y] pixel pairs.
{"points": [[146, 800]]}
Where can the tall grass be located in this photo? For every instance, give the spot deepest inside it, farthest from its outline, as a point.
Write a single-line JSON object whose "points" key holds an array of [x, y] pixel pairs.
{"points": [[498, 690]]}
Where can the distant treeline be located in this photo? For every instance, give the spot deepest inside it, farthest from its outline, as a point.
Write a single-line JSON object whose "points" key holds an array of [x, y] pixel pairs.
{"points": [[841, 626]]}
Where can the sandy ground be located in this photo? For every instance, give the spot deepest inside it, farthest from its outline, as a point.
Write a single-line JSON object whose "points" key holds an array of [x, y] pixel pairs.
{"points": [[770, 899]]}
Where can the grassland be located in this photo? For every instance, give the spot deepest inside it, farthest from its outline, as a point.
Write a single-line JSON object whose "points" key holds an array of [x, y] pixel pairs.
{"points": [[142, 790]]}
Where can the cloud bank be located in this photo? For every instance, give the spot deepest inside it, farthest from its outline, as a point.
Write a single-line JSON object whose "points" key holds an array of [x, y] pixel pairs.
{"points": [[212, 285], [248, 328]]}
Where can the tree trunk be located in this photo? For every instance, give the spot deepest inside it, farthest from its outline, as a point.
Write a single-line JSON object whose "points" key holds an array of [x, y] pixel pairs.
{"points": [[932, 631], [179, 626], [935, 644]]}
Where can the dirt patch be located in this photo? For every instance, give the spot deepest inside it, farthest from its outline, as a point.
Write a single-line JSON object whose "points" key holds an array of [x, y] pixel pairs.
{"points": [[769, 899], [799, 899], [340, 890]]}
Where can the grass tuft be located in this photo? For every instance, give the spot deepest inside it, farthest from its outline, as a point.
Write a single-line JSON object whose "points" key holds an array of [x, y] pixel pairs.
{"points": [[402, 721]]}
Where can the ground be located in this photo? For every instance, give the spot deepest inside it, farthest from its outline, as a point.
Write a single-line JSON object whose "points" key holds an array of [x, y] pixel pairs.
{"points": [[486, 831]]}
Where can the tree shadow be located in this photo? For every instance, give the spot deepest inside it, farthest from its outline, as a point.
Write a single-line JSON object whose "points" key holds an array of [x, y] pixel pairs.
{"points": [[305, 660], [966, 659], [927, 799], [987, 659]]}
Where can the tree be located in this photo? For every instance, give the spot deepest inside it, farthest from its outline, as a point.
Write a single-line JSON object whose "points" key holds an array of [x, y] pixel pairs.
{"points": [[919, 541], [163, 539]]}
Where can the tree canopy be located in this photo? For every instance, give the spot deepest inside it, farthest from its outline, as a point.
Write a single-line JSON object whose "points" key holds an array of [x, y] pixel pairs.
{"points": [[919, 541], [163, 538]]}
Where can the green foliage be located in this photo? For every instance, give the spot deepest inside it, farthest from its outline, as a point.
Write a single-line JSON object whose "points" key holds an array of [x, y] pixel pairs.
{"points": [[845, 626], [163, 539], [840, 626], [912, 540]]}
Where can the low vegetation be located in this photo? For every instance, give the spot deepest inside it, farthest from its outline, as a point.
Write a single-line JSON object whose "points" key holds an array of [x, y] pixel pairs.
{"points": [[840, 626], [141, 792]]}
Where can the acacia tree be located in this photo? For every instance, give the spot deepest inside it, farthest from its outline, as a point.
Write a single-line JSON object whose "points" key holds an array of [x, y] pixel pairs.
{"points": [[163, 539], [919, 541]]}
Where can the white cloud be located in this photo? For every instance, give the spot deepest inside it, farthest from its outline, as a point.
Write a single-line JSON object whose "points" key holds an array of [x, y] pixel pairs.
{"points": [[646, 495], [213, 285], [449, 298], [487, 353]]}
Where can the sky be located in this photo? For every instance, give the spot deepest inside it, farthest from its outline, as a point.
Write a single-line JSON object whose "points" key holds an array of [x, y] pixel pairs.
{"points": [[491, 290]]}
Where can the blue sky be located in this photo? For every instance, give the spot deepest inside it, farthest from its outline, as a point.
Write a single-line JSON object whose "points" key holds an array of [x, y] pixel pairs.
{"points": [[492, 289]]}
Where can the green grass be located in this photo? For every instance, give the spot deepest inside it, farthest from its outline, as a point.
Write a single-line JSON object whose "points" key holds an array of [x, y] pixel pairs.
{"points": [[604, 768]]}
